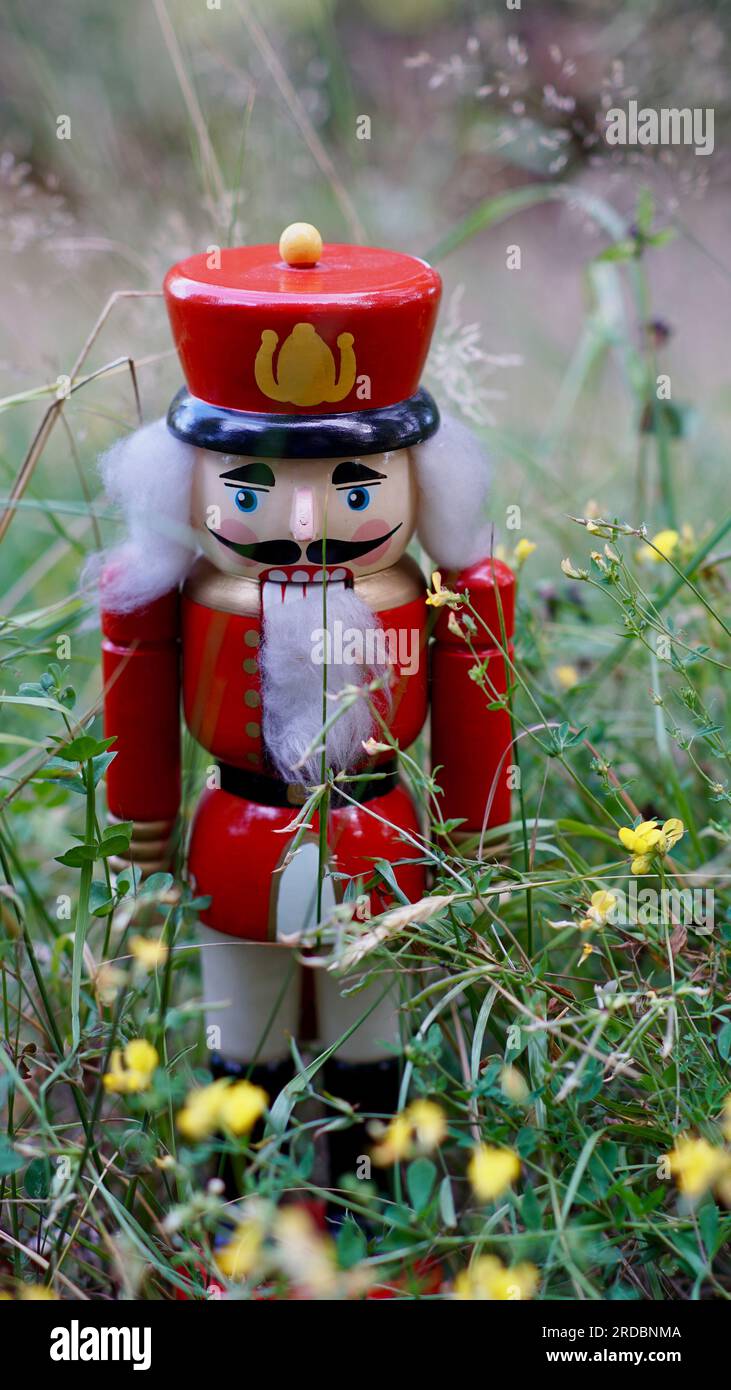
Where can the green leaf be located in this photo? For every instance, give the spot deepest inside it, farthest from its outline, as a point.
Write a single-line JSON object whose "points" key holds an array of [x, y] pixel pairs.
{"points": [[526, 1141], [420, 1179], [621, 251], [113, 844], [645, 211], [77, 855], [351, 1244], [10, 1159], [37, 1179], [100, 903], [531, 1210], [81, 749], [663, 237], [122, 827], [101, 764], [708, 1221], [723, 1041], [446, 1203], [156, 883]]}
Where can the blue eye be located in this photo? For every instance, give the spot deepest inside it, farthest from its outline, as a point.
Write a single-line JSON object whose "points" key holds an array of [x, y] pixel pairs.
{"points": [[358, 498], [246, 500]]}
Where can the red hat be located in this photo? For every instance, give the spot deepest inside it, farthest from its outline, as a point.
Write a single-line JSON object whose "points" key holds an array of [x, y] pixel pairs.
{"points": [[302, 350]]}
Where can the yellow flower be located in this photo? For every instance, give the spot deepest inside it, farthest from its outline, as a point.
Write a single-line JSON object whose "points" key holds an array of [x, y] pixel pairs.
{"points": [[131, 1070], [488, 1279], [419, 1128], [586, 951], [671, 545], [438, 597], [108, 981], [642, 839], [726, 1119], [492, 1170], [566, 676], [428, 1122], [149, 952], [673, 830], [514, 1085], [304, 1254], [395, 1144], [601, 908], [200, 1114], [241, 1106], [238, 1258], [696, 1165], [648, 840], [523, 550], [666, 542], [36, 1293], [234, 1107]]}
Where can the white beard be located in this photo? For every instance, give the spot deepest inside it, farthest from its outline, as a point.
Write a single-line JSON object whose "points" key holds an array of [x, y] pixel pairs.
{"points": [[292, 679]]}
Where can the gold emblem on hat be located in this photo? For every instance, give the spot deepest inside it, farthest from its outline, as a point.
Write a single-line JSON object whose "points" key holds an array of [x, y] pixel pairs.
{"points": [[306, 371]]}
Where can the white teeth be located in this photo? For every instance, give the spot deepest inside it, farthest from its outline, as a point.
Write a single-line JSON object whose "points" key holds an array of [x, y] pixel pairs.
{"points": [[337, 577], [300, 577], [277, 576]]}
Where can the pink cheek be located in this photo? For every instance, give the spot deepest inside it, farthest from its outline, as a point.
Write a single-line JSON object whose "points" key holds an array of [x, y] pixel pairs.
{"points": [[233, 530], [375, 527]]}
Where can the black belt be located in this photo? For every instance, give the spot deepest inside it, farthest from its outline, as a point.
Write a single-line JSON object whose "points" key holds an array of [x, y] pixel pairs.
{"points": [[271, 791]]}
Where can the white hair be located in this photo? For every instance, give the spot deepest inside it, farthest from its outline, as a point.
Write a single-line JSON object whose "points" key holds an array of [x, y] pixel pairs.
{"points": [[148, 475], [293, 677], [453, 480]]}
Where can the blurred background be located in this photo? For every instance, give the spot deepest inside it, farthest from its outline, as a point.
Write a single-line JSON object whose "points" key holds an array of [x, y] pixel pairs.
{"points": [[133, 135]]}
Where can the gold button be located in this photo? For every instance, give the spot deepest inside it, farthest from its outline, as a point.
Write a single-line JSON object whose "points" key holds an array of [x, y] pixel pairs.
{"points": [[252, 698], [300, 244], [252, 757], [251, 666], [251, 637], [253, 730]]}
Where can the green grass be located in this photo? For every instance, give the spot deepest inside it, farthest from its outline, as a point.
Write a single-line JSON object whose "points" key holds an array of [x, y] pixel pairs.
{"points": [[586, 1064]]}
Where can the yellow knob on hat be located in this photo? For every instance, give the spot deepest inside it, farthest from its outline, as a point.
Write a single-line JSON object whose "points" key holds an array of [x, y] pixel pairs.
{"points": [[300, 244]]}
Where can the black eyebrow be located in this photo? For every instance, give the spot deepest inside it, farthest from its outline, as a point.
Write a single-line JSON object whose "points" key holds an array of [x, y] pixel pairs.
{"points": [[352, 471], [256, 472]]}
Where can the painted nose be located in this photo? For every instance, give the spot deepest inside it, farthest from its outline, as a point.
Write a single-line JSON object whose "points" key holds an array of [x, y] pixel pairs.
{"points": [[302, 518]]}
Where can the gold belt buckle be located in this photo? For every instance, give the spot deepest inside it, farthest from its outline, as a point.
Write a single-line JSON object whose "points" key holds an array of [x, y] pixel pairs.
{"points": [[296, 794]]}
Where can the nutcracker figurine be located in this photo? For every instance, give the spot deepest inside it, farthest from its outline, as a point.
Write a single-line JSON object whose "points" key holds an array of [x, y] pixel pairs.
{"points": [[264, 577]]}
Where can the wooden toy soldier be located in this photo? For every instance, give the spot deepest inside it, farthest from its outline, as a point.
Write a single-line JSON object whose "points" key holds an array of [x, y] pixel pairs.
{"points": [[301, 453]]}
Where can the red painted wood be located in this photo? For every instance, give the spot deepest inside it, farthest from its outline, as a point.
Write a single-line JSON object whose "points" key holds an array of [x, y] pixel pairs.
{"points": [[236, 846], [469, 741], [222, 685], [140, 666], [387, 300]]}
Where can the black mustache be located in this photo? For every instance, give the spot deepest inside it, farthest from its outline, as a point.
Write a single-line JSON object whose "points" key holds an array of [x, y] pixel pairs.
{"points": [[339, 552], [285, 552], [265, 552]]}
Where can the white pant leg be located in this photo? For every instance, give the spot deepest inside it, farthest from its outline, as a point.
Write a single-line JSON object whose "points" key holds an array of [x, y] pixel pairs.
{"points": [[337, 1012], [247, 979]]}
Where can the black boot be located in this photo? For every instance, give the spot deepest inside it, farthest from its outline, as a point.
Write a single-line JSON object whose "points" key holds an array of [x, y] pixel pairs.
{"points": [[372, 1088], [273, 1076]]}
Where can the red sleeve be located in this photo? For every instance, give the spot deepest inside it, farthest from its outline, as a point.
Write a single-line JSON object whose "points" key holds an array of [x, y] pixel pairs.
{"points": [[471, 743], [141, 661]]}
